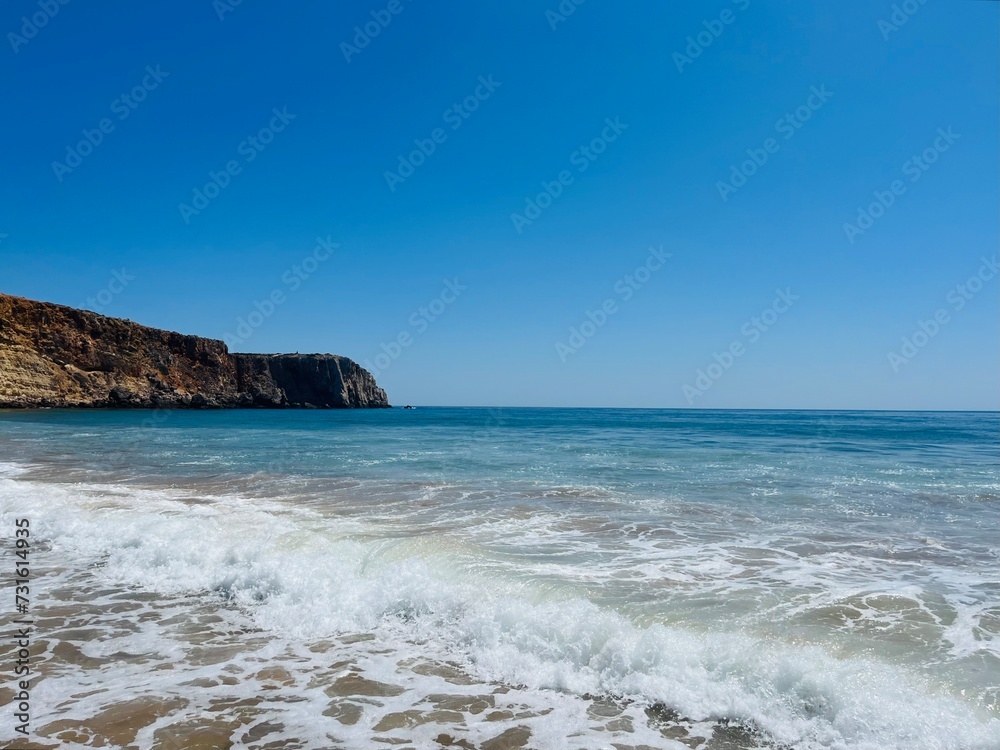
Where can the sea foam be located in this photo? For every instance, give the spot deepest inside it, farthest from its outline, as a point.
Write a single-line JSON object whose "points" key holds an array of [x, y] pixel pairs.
{"points": [[302, 575]]}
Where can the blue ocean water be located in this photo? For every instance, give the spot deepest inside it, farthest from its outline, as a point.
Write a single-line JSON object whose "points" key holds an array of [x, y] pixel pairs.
{"points": [[800, 579]]}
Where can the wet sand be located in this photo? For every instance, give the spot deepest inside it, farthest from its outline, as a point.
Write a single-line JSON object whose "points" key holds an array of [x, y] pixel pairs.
{"points": [[123, 668]]}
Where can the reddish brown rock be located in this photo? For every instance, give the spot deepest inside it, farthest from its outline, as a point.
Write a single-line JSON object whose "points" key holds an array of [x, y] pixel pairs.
{"points": [[57, 356]]}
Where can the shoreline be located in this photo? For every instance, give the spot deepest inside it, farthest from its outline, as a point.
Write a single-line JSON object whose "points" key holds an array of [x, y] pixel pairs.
{"points": [[412, 597]]}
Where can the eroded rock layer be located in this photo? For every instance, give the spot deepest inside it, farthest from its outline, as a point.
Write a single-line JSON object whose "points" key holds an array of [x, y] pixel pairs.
{"points": [[52, 355]]}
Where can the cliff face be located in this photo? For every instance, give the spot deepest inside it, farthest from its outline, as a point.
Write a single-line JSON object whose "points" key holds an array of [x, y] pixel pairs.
{"points": [[51, 355]]}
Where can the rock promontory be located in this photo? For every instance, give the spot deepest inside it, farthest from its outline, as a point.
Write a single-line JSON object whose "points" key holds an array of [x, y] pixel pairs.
{"points": [[57, 356]]}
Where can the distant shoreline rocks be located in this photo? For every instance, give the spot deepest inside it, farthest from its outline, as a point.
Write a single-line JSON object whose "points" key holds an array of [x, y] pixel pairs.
{"points": [[61, 357]]}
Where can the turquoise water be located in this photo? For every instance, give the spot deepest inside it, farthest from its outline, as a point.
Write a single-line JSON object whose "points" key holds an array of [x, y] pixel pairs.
{"points": [[804, 579]]}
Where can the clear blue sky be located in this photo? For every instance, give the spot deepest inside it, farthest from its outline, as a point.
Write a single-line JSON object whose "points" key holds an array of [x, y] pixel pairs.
{"points": [[869, 98]]}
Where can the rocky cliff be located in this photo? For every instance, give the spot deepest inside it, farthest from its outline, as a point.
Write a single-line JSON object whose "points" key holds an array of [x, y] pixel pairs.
{"points": [[51, 355]]}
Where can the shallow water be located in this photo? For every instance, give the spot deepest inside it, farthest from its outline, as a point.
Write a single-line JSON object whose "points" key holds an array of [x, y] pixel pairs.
{"points": [[510, 578]]}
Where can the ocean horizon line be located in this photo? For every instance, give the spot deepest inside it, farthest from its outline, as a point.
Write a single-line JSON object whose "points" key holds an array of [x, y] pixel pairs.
{"points": [[686, 409]]}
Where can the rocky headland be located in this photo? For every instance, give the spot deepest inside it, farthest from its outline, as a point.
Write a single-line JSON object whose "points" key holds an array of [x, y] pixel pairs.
{"points": [[57, 356]]}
